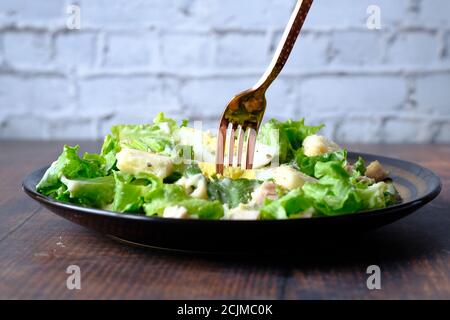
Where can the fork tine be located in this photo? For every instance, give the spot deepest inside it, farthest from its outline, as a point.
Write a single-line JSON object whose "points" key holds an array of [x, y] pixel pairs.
{"points": [[231, 144], [250, 147], [220, 154], [240, 144]]}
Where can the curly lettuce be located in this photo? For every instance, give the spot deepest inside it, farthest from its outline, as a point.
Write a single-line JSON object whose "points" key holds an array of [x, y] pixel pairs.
{"points": [[231, 192], [174, 195], [71, 166], [130, 190], [336, 193], [291, 204], [307, 164], [94, 192], [159, 137], [288, 136]]}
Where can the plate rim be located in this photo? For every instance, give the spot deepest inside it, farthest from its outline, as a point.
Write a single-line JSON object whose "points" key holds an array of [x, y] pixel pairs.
{"points": [[424, 199]]}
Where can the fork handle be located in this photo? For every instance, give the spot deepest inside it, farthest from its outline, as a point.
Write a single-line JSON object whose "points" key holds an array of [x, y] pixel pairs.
{"points": [[286, 44]]}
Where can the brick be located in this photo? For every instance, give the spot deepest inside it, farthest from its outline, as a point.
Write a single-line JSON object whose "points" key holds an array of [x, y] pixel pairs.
{"points": [[281, 99], [75, 127], [435, 13], [103, 95], [357, 129], [433, 94], [403, 51], [309, 52], [330, 122], [5, 18], [349, 13], [356, 48], [207, 97], [242, 50], [27, 49], [403, 131], [127, 14], [75, 49], [33, 13], [1, 50], [130, 49], [35, 94], [164, 95], [192, 14], [443, 135], [347, 94], [182, 50], [23, 126], [249, 14], [446, 45]]}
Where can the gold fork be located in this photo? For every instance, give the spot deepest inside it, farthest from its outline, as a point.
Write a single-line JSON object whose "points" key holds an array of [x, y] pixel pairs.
{"points": [[246, 110]]}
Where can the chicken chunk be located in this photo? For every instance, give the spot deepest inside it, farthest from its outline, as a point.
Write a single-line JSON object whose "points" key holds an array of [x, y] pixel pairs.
{"points": [[195, 185], [242, 212], [266, 190], [376, 171], [177, 212]]}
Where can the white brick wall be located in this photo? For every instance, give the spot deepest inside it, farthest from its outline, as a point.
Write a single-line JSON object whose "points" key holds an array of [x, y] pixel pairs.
{"points": [[133, 58]]}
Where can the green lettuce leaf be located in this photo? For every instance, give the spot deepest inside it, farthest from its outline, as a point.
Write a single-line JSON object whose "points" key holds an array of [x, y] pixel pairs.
{"points": [[109, 150], [292, 203], [130, 191], [231, 192], [359, 167], [159, 137], [307, 164], [192, 169], [337, 191], [378, 195], [182, 169], [174, 195], [94, 192], [71, 166], [288, 136], [333, 194]]}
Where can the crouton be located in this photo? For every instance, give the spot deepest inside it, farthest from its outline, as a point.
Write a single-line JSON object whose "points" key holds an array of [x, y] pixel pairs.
{"points": [[376, 171], [316, 145]]}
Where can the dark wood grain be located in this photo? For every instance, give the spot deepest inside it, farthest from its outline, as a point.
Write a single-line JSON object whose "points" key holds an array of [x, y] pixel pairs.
{"points": [[36, 247]]}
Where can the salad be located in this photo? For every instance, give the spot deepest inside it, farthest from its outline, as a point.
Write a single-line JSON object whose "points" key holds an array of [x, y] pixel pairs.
{"points": [[167, 169]]}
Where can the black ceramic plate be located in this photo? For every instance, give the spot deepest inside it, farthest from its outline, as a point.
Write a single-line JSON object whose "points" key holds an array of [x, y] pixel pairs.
{"points": [[417, 186]]}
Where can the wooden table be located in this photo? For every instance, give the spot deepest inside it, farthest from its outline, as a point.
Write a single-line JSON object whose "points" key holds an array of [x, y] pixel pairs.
{"points": [[37, 246]]}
